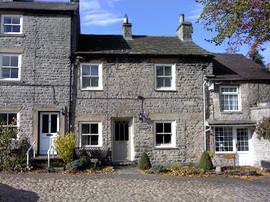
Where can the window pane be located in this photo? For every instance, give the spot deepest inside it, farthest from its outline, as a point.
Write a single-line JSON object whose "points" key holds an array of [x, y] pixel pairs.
{"points": [[224, 139], [94, 128], [12, 119], [242, 139], [7, 20], [94, 82], [86, 140], [167, 82], [159, 139], [85, 129], [6, 61], [16, 28], [159, 70], [54, 123], [159, 128], [117, 131], [45, 123], [3, 119], [126, 132], [14, 61], [85, 70], [14, 73], [6, 73], [167, 127], [168, 71], [7, 28], [94, 70], [86, 82], [16, 20], [94, 139], [159, 82], [167, 139]]}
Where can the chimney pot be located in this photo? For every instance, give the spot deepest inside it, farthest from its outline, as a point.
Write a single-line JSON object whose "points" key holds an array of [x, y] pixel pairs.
{"points": [[127, 29], [182, 18]]}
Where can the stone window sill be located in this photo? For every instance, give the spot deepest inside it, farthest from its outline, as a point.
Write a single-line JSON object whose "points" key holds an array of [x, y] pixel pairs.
{"points": [[12, 35]]}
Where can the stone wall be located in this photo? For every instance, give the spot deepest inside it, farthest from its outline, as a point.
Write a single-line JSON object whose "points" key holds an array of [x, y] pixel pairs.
{"points": [[45, 46], [260, 147], [126, 79]]}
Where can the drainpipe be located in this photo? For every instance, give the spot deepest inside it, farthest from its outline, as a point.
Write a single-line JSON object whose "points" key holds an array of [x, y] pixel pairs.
{"points": [[204, 114]]}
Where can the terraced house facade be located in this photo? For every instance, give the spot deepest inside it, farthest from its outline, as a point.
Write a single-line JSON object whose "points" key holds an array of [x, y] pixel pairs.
{"points": [[127, 94]]}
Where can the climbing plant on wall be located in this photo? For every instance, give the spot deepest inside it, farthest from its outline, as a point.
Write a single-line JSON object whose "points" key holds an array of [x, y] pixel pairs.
{"points": [[263, 129]]}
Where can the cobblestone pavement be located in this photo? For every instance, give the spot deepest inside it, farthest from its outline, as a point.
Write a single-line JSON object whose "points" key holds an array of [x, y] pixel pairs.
{"points": [[128, 185]]}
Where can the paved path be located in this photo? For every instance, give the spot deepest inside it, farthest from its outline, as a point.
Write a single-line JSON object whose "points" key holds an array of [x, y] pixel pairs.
{"points": [[129, 185]]}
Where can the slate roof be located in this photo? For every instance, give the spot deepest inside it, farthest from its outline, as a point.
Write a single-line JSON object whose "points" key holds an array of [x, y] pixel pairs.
{"points": [[140, 45], [238, 67], [39, 6]]}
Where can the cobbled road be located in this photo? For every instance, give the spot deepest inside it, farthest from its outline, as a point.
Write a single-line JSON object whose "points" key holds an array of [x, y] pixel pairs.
{"points": [[128, 185]]}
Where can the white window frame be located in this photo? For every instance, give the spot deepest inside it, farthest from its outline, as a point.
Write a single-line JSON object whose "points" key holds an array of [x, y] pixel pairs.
{"points": [[238, 93], [19, 66], [2, 24], [173, 87], [234, 133], [173, 137], [18, 121], [100, 140], [100, 78]]}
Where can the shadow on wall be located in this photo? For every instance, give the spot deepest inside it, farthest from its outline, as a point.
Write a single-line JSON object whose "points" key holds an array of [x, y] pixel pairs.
{"points": [[8, 193]]}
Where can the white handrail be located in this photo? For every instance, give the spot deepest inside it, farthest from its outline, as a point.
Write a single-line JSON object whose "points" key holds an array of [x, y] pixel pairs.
{"points": [[50, 150], [28, 151]]}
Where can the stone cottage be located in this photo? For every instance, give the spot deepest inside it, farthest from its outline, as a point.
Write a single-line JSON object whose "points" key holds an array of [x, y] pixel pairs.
{"points": [[126, 94]]}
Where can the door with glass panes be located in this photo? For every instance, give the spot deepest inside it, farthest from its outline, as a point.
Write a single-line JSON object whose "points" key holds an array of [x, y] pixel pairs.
{"points": [[242, 146], [121, 140], [49, 129]]}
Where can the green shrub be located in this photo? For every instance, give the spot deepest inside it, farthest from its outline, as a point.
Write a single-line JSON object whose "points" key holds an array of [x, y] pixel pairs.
{"points": [[85, 159], [65, 147], [12, 151], [144, 162], [205, 162], [263, 129]]}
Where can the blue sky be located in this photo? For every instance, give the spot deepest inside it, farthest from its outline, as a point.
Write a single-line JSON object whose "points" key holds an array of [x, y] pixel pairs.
{"points": [[149, 17]]}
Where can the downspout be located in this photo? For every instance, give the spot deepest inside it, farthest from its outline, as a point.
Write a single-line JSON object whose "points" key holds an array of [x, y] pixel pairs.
{"points": [[204, 114]]}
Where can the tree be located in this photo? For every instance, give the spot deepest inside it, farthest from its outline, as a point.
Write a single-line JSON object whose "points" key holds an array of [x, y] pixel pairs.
{"points": [[239, 21], [257, 57]]}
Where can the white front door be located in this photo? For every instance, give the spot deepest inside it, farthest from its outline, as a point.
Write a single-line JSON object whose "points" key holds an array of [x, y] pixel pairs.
{"points": [[121, 141], [49, 129], [242, 145]]}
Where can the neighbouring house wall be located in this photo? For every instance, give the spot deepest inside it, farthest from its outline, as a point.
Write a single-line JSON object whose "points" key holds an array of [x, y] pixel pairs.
{"points": [[260, 147], [126, 79], [251, 95], [45, 46]]}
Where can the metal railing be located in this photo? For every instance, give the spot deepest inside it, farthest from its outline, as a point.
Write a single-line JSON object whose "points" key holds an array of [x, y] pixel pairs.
{"points": [[32, 147], [51, 151]]}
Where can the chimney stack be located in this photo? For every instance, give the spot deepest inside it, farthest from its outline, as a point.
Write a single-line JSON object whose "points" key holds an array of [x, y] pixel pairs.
{"points": [[127, 29], [185, 29]]}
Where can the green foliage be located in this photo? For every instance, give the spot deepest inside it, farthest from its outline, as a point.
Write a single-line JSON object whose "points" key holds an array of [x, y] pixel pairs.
{"points": [[240, 21], [12, 151], [85, 159], [144, 162], [65, 147], [263, 129], [205, 162], [257, 57]]}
